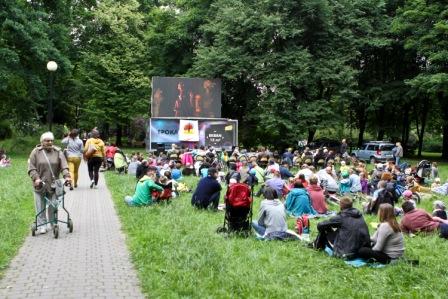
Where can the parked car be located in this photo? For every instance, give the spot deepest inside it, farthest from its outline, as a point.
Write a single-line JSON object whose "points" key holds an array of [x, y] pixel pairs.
{"points": [[375, 151]]}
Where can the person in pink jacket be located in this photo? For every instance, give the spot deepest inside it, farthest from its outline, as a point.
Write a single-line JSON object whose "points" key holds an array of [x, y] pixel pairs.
{"points": [[317, 196]]}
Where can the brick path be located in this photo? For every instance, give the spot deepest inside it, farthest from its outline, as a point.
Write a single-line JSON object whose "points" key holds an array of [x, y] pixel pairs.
{"points": [[91, 262]]}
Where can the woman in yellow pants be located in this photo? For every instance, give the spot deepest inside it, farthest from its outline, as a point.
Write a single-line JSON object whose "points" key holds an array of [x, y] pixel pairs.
{"points": [[73, 149]]}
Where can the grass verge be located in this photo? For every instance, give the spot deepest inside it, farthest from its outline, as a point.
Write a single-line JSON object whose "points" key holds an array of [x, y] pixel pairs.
{"points": [[16, 209], [177, 253]]}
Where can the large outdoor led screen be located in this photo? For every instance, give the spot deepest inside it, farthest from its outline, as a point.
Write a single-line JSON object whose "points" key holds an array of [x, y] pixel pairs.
{"points": [[186, 97]]}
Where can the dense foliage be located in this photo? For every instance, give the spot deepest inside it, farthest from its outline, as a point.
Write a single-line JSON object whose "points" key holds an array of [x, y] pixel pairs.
{"points": [[290, 69]]}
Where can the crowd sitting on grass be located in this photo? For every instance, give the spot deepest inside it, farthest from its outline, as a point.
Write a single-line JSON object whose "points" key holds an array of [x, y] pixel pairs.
{"points": [[323, 179]]}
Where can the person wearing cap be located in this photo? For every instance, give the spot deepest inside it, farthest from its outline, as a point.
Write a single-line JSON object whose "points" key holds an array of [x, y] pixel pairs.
{"points": [[439, 209], [45, 164], [207, 192], [95, 146]]}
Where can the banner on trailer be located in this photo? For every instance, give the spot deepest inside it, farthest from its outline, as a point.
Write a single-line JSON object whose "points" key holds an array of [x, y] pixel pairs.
{"points": [[219, 133], [188, 130], [186, 97], [164, 130]]}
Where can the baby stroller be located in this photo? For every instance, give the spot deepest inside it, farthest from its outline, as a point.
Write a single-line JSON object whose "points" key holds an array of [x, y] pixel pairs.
{"points": [[55, 204], [120, 162], [238, 216], [422, 171]]}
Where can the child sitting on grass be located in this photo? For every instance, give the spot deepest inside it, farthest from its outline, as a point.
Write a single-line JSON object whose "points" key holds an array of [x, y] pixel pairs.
{"points": [[143, 190]]}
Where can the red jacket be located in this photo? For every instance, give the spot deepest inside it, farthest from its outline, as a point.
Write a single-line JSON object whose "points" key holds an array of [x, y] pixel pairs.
{"points": [[418, 220], [317, 198]]}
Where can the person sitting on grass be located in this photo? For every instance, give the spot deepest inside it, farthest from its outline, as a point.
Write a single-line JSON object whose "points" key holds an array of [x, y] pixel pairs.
{"points": [[344, 233], [387, 241], [145, 186], [317, 196], [418, 220], [298, 201], [439, 209], [207, 192], [272, 215]]}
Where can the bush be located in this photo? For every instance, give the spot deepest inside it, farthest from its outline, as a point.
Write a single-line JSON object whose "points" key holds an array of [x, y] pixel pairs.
{"points": [[19, 145], [5, 130]]}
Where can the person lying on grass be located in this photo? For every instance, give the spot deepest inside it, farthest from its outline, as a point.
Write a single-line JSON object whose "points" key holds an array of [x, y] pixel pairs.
{"points": [[207, 192], [272, 215], [345, 233], [142, 195], [418, 220], [387, 241]]}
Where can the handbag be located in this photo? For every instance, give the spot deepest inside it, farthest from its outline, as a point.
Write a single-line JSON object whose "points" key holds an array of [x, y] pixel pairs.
{"points": [[90, 151]]}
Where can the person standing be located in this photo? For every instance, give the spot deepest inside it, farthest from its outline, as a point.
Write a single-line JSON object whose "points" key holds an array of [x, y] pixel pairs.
{"points": [[343, 149], [398, 153], [74, 149], [95, 153], [45, 164]]}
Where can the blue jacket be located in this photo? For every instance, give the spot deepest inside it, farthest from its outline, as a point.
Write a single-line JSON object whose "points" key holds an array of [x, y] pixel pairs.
{"points": [[298, 202], [206, 188]]}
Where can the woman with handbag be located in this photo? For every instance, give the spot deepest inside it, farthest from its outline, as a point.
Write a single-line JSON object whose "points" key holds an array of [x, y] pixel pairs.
{"points": [[73, 152], [95, 154], [45, 164]]}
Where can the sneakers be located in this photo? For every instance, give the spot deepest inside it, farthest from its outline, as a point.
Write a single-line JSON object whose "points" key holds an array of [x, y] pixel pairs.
{"points": [[42, 230], [92, 183]]}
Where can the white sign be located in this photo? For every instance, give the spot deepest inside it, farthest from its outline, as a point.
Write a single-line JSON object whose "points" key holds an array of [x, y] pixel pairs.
{"points": [[188, 130]]}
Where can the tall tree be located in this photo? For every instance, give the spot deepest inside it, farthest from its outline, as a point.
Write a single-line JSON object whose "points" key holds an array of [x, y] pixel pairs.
{"points": [[113, 67], [423, 25]]}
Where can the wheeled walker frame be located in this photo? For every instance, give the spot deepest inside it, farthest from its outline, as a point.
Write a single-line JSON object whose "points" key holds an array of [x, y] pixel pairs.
{"points": [[55, 203]]}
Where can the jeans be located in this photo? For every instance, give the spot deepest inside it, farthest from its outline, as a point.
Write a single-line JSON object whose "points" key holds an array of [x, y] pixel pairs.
{"points": [[73, 166], [39, 202], [443, 229], [212, 201], [368, 253], [397, 161], [259, 229], [93, 166]]}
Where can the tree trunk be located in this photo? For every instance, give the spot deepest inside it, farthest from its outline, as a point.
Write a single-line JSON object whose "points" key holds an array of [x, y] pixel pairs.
{"points": [[119, 135], [380, 135], [311, 133], [424, 114], [443, 100], [362, 128], [405, 130]]}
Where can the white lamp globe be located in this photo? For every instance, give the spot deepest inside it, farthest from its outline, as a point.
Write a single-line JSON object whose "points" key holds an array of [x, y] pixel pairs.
{"points": [[52, 66]]}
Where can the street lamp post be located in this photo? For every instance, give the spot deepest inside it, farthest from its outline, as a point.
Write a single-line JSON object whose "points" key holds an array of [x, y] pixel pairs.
{"points": [[51, 67]]}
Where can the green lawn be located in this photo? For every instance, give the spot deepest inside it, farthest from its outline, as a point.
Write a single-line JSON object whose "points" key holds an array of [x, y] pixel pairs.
{"points": [[178, 254], [16, 209]]}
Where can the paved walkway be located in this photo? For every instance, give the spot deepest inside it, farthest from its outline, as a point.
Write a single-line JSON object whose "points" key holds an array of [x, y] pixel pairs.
{"points": [[91, 262]]}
